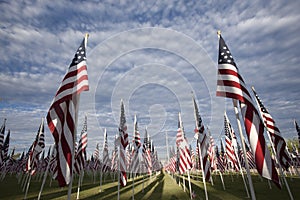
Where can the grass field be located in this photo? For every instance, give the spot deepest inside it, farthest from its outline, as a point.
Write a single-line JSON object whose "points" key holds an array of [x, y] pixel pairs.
{"points": [[161, 186]]}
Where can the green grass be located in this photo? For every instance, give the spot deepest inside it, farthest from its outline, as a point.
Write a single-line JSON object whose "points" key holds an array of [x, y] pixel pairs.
{"points": [[162, 186]]}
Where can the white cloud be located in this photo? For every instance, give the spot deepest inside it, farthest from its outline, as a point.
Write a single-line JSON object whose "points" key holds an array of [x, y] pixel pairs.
{"points": [[39, 40]]}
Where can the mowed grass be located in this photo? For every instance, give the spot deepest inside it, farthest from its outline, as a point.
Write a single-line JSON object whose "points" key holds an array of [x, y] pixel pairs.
{"points": [[161, 186]]}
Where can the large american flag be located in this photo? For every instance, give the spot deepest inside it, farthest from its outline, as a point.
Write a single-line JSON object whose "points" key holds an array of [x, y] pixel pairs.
{"points": [[275, 135], [123, 136], [203, 140], [231, 84], [62, 114], [80, 154]]}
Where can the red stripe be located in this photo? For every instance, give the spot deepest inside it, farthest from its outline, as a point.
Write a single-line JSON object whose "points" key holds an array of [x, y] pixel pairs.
{"points": [[75, 72]]}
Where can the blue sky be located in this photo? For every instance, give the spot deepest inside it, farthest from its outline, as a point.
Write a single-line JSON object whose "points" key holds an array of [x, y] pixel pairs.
{"points": [[151, 54]]}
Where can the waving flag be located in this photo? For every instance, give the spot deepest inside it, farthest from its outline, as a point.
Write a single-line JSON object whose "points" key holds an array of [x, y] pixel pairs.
{"points": [[231, 84], [123, 135], [230, 151], [36, 148], [202, 138], [80, 155], [62, 114], [105, 159], [219, 161], [146, 152], [298, 130], [136, 145], [2, 132], [185, 161], [275, 135], [6, 146]]}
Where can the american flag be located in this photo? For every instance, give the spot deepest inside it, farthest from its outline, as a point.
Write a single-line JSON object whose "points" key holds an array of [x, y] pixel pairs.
{"points": [[2, 132], [203, 140], [123, 136], [53, 163], [212, 153], [147, 153], [105, 161], [277, 140], [6, 146], [185, 161], [80, 154], [96, 163], [36, 148], [298, 130], [136, 145], [249, 156], [219, 161], [62, 114], [231, 84], [114, 159], [230, 151]]}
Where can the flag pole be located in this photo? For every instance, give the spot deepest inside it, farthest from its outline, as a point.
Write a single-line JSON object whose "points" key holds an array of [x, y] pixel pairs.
{"points": [[167, 144], [236, 111], [119, 170], [79, 182], [45, 174], [101, 171], [27, 187], [190, 186], [203, 175], [238, 160]]}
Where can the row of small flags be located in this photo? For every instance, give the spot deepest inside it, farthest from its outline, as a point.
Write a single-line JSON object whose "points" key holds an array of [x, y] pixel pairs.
{"points": [[65, 157]]}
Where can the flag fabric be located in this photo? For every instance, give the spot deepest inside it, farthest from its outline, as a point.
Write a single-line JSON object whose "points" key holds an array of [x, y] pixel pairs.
{"points": [[80, 154], [275, 135], [96, 159], [231, 84], [36, 148], [2, 132], [250, 157], [62, 114], [223, 155], [298, 130], [123, 136], [6, 146], [212, 153], [230, 151], [136, 145], [185, 161], [203, 140], [105, 158], [114, 159], [53, 168], [147, 153], [219, 161]]}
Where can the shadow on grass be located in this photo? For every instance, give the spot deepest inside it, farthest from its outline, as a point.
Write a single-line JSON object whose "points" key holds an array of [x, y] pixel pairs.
{"points": [[157, 192], [110, 192]]}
